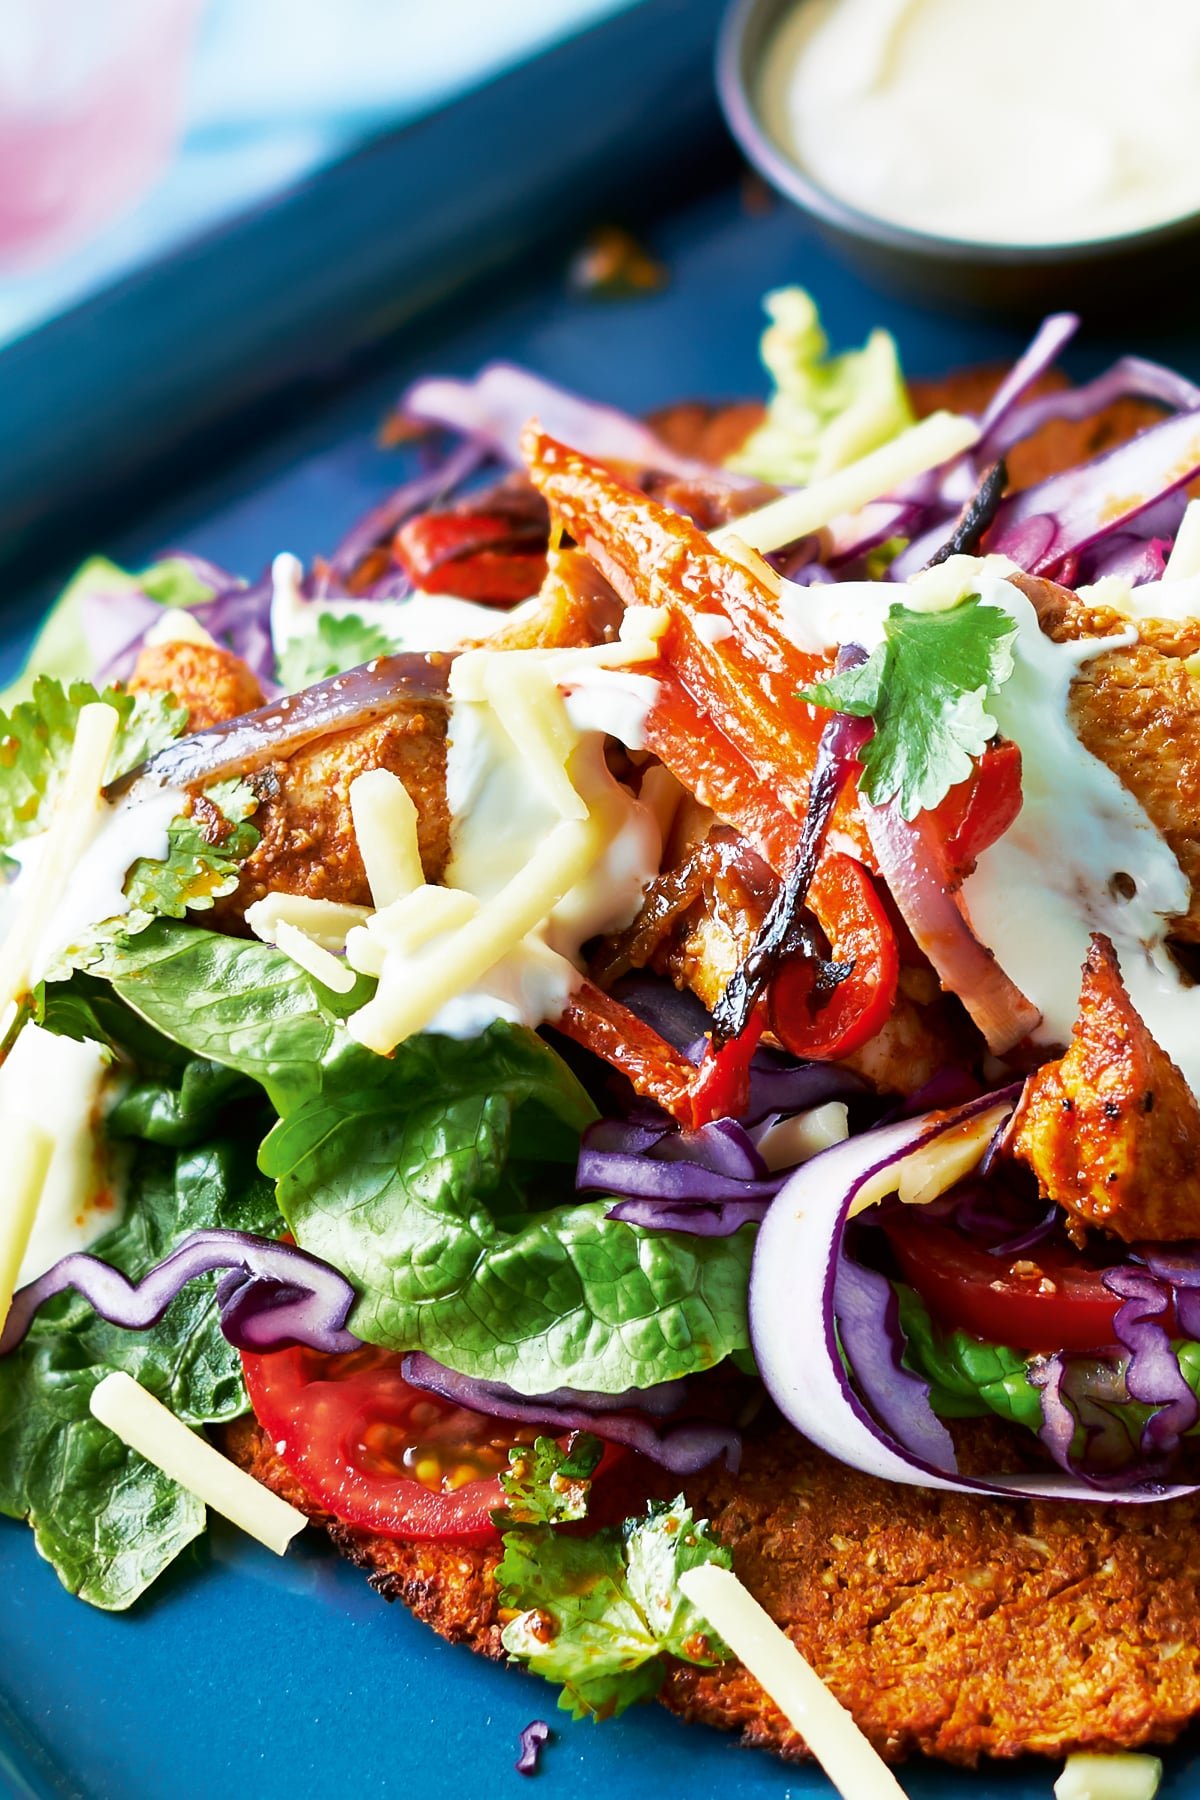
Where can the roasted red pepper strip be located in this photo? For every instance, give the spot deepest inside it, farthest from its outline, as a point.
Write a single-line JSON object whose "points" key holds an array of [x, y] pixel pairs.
{"points": [[980, 809], [722, 1086], [854, 918], [478, 556], [658, 1072]]}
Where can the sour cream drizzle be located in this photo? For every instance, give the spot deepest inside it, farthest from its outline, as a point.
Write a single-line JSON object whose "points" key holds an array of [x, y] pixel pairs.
{"points": [[1056, 875]]}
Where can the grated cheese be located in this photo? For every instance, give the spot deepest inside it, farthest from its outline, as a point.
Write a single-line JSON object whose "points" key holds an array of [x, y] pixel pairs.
{"points": [[1124, 1776], [148, 1427], [75, 817], [804, 1136], [526, 700], [321, 964], [846, 1756], [465, 956], [28, 1150], [934, 1168], [921, 448], [326, 922], [385, 826]]}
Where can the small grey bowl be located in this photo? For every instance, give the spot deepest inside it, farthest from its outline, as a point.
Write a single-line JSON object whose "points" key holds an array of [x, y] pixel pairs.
{"points": [[1099, 274]]}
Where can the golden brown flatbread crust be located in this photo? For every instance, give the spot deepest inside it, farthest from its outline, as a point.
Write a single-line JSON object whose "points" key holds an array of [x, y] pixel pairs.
{"points": [[948, 1624]]}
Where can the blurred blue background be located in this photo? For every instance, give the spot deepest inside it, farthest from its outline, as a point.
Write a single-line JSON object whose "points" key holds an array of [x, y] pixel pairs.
{"points": [[250, 96]]}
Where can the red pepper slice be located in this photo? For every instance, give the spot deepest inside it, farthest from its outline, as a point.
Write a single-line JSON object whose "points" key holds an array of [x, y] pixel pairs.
{"points": [[722, 1086], [980, 809], [855, 920], [658, 1072], [473, 555]]}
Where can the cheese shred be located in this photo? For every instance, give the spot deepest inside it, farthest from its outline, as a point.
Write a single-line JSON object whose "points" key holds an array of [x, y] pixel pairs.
{"points": [[147, 1426], [28, 1150], [922, 447], [852, 1765]]}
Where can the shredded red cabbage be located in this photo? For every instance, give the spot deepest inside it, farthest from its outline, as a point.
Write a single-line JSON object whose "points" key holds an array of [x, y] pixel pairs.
{"points": [[279, 1294], [683, 1446], [1051, 338], [493, 409], [1132, 378], [1043, 525], [533, 1737]]}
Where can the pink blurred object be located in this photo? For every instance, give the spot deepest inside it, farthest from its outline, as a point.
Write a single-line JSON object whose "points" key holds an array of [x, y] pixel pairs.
{"points": [[91, 104]]}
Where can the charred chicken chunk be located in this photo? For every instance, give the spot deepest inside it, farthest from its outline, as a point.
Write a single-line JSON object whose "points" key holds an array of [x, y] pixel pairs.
{"points": [[1112, 1130]]}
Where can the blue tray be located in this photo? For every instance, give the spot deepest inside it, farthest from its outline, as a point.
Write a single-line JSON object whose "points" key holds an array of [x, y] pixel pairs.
{"points": [[242, 1674]]}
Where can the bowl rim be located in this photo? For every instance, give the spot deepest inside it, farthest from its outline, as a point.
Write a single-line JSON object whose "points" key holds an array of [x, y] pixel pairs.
{"points": [[734, 91]]}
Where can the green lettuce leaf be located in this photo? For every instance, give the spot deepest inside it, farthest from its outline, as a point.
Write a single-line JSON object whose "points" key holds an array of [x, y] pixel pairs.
{"points": [[967, 1377], [431, 1178], [107, 1520], [825, 411], [61, 647], [599, 1614], [338, 643]]}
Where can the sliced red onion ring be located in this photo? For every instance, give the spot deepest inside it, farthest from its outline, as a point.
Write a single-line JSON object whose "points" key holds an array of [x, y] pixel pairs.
{"points": [[1180, 1267], [494, 408], [1083, 504], [280, 729], [298, 1299], [683, 1448], [793, 1283], [912, 862], [1051, 338]]}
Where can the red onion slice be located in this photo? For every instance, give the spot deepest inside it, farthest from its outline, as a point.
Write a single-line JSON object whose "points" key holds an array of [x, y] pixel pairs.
{"points": [[794, 1282], [282, 727], [913, 863], [298, 1299]]}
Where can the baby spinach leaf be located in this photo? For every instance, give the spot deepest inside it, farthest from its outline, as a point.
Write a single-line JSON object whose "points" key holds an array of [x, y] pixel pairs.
{"points": [[107, 1520]]}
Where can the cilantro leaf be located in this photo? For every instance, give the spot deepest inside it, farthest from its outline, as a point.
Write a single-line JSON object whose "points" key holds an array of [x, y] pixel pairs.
{"points": [[37, 735], [205, 851], [547, 1485], [925, 687], [600, 1613], [340, 642]]}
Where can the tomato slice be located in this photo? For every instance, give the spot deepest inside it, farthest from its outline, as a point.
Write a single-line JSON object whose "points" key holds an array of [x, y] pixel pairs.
{"points": [[377, 1453], [855, 920], [1047, 1299]]}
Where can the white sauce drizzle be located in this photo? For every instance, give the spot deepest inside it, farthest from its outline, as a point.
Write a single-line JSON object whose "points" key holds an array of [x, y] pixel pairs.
{"points": [[122, 835], [420, 622], [935, 113], [1040, 891], [63, 1086]]}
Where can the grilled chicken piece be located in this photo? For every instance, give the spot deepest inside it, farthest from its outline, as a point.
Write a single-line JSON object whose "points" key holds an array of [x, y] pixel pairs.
{"points": [[1112, 1129], [1138, 710], [212, 683], [307, 842]]}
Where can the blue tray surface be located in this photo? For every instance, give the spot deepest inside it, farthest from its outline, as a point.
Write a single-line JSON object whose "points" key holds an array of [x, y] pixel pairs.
{"points": [[247, 1676]]}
